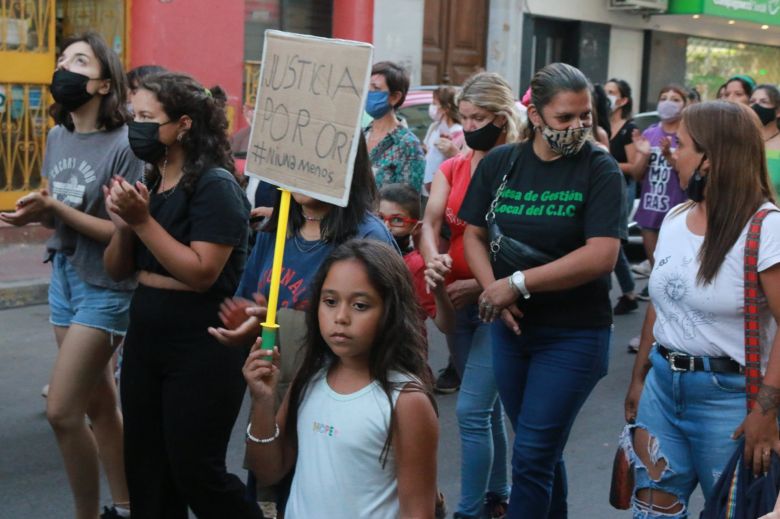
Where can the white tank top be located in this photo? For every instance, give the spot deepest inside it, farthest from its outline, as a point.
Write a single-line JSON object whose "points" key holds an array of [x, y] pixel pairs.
{"points": [[340, 439]]}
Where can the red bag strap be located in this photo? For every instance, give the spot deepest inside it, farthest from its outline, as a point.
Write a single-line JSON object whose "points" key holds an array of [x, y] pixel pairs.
{"points": [[752, 294]]}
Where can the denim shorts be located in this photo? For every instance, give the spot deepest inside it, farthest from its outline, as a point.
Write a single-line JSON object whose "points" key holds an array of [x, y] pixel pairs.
{"points": [[690, 417], [73, 301]]}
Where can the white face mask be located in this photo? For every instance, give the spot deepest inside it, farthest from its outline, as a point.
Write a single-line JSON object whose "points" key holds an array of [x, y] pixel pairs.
{"points": [[612, 102], [433, 112]]}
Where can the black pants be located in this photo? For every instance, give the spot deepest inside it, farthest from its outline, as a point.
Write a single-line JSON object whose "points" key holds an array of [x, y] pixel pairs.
{"points": [[181, 394]]}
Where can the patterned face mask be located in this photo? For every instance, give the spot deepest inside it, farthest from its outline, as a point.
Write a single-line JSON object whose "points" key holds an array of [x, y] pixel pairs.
{"points": [[566, 142]]}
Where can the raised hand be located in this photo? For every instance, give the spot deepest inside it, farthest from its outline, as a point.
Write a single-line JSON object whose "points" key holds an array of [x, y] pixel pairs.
{"points": [[262, 375], [641, 143], [131, 203]]}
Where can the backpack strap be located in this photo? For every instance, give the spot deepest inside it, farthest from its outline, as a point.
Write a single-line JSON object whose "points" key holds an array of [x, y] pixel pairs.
{"points": [[752, 294]]}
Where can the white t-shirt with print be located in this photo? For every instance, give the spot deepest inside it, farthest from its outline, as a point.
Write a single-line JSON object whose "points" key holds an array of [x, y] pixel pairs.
{"points": [[708, 320]]}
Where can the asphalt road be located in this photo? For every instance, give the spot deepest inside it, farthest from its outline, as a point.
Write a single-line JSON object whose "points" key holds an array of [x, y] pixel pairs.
{"points": [[33, 482]]}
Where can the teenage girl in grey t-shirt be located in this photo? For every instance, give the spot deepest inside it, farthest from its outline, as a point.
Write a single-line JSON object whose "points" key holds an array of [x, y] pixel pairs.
{"points": [[89, 311]]}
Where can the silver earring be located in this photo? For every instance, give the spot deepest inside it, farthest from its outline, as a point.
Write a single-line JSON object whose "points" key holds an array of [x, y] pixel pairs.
{"points": [[180, 137]]}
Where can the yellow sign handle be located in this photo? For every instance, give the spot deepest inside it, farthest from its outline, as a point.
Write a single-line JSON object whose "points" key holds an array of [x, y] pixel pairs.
{"points": [[270, 326]]}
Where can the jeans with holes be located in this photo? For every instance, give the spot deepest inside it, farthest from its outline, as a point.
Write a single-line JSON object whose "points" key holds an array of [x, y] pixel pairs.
{"points": [[544, 376], [690, 417], [480, 416]]}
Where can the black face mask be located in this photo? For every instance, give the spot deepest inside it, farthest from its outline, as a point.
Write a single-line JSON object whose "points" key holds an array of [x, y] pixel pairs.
{"points": [[767, 115], [145, 141], [404, 242], [69, 89], [696, 184], [484, 138]]}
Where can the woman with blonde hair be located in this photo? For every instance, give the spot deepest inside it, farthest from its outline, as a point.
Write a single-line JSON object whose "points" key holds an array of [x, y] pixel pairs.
{"points": [[489, 118], [686, 399]]}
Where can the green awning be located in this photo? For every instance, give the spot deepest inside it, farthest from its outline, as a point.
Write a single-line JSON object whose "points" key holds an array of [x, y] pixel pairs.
{"points": [[755, 11]]}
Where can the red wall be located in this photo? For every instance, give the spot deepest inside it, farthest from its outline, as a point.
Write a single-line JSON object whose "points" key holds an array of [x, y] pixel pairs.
{"points": [[353, 20], [203, 38]]}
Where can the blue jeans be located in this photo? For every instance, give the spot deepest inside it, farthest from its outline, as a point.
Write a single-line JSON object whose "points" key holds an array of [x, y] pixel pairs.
{"points": [[480, 417], [544, 376], [690, 418]]}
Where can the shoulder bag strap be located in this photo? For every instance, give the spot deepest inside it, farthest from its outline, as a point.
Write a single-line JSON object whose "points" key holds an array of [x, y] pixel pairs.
{"points": [[752, 294], [516, 152]]}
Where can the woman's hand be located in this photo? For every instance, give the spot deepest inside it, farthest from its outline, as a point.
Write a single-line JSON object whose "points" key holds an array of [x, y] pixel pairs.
{"points": [[32, 207], [641, 144], [241, 318], [761, 431], [130, 203], [261, 374], [437, 270], [111, 209], [447, 147], [631, 404], [495, 298], [463, 292]]}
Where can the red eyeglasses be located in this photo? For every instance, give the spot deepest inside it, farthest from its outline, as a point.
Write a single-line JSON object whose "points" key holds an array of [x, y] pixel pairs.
{"points": [[396, 220]]}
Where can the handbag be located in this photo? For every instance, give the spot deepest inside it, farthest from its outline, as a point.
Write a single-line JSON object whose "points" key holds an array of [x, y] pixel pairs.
{"points": [[621, 489], [508, 254], [738, 494]]}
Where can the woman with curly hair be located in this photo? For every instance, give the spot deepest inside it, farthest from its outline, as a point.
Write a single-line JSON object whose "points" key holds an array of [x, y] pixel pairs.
{"points": [[184, 232]]}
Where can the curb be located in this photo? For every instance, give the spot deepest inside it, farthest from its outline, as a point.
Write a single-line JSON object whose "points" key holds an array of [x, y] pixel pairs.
{"points": [[14, 294]]}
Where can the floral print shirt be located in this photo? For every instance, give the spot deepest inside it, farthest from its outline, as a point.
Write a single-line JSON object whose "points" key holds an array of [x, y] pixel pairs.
{"points": [[398, 158]]}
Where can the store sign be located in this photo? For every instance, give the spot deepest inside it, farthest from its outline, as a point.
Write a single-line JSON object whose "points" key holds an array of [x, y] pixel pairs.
{"points": [[309, 105], [756, 11]]}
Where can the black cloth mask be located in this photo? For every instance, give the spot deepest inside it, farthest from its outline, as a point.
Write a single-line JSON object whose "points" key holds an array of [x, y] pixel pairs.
{"points": [[69, 89], [696, 185], [767, 115], [145, 141], [483, 138]]}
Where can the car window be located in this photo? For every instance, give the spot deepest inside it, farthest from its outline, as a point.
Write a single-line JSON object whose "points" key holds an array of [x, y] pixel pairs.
{"points": [[417, 119]]}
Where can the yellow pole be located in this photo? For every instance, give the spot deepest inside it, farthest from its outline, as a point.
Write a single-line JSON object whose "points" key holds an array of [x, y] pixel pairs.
{"points": [[270, 326]]}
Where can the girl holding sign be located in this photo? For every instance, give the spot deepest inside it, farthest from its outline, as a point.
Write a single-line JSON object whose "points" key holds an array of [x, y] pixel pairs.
{"points": [[359, 414], [185, 235]]}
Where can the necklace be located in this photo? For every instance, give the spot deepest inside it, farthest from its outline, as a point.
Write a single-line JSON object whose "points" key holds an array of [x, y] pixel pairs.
{"points": [[772, 137], [305, 246], [164, 194], [312, 218]]}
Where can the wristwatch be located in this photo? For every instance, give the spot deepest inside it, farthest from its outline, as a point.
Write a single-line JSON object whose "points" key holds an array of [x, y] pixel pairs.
{"points": [[517, 281]]}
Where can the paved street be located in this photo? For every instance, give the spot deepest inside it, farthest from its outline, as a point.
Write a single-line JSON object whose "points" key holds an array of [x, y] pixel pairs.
{"points": [[33, 482]]}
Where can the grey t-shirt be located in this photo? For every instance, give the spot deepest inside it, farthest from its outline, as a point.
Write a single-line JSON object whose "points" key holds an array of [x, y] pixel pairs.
{"points": [[77, 166]]}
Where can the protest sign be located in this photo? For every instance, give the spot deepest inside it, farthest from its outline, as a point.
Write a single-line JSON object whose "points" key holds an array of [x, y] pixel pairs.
{"points": [[310, 100]]}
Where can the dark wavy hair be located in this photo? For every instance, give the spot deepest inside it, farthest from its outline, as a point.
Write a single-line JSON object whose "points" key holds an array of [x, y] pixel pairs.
{"points": [[341, 223], [135, 75], [113, 111], [399, 344], [206, 143], [625, 92], [601, 108]]}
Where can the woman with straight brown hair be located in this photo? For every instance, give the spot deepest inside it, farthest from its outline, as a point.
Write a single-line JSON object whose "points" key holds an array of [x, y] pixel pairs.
{"points": [[686, 399]]}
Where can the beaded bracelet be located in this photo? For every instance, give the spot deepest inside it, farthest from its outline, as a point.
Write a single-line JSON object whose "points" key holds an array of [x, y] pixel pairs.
{"points": [[251, 438]]}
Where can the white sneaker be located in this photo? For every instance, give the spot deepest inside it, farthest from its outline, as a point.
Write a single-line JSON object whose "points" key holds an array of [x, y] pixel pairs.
{"points": [[633, 345], [642, 270], [45, 391]]}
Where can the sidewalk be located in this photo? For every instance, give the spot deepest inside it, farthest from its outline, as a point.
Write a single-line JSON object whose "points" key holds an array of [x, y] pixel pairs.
{"points": [[24, 278]]}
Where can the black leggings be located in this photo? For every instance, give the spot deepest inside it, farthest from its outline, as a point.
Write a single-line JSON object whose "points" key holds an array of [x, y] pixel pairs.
{"points": [[181, 394]]}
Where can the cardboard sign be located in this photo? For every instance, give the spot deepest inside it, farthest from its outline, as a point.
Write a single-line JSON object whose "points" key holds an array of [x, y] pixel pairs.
{"points": [[310, 99]]}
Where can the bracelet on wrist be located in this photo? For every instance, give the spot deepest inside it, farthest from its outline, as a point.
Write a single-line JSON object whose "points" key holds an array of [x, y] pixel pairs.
{"points": [[261, 441]]}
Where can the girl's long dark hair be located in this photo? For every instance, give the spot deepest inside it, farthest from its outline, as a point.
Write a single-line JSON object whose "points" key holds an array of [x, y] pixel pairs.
{"points": [[738, 184], [206, 143], [341, 223], [400, 343], [113, 111]]}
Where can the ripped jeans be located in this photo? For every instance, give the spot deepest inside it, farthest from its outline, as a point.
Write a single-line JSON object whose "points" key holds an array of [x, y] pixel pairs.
{"points": [[690, 417]]}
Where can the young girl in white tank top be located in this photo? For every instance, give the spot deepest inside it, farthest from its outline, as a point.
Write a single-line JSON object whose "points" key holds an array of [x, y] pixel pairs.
{"points": [[358, 423]]}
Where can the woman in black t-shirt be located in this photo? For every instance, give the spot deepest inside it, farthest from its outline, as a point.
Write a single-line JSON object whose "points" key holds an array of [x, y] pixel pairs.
{"points": [[186, 237], [549, 210], [621, 146]]}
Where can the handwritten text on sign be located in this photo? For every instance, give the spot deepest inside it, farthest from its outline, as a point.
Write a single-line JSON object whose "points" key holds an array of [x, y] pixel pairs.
{"points": [[307, 117]]}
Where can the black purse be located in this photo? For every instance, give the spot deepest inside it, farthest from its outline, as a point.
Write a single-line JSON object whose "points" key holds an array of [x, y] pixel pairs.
{"points": [[508, 254]]}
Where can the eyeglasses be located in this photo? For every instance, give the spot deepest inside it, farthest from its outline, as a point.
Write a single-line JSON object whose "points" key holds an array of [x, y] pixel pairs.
{"points": [[396, 220]]}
